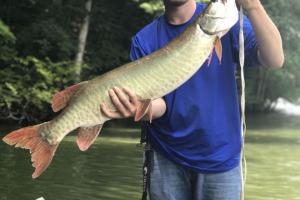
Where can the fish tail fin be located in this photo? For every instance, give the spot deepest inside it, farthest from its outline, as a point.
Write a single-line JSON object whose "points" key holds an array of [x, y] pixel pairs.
{"points": [[41, 151]]}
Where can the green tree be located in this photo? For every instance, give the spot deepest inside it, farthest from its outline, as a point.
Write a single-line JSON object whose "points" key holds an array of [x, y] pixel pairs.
{"points": [[265, 86], [83, 33], [37, 60]]}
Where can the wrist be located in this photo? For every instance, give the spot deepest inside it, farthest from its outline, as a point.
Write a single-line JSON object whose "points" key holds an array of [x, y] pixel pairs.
{"points": [[157, 109]]}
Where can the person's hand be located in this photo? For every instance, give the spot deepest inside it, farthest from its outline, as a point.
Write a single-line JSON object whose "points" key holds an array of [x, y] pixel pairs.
{"points": [[125, 101], [249, 5]]}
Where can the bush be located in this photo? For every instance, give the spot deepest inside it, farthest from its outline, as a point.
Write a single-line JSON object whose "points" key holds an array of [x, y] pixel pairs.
{"points": [[27, 87]]}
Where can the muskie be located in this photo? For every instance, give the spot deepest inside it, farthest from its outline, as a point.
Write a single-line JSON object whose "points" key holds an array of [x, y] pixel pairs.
{"points": [[150, 77]]}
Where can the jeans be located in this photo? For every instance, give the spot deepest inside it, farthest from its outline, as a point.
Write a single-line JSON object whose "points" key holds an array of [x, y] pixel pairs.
{"points": [[170, 181]]}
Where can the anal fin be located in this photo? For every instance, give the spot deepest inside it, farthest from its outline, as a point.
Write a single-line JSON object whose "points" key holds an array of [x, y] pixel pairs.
{"points": [[61, 98], [87, 136]]}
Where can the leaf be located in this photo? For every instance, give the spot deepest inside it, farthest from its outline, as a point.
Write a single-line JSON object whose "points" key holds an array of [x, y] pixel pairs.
{"points": [[11, 88], [6, 33]]}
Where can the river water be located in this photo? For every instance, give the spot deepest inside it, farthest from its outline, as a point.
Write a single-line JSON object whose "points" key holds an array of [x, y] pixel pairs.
{"points": [[111, 168]]}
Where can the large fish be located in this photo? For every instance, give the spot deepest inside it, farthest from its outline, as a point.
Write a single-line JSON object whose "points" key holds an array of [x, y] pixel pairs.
{"points": [[150, 77]]}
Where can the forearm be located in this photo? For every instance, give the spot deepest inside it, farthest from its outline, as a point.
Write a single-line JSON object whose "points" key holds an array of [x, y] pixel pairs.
{"points": [[158, 109], [270, 52]]}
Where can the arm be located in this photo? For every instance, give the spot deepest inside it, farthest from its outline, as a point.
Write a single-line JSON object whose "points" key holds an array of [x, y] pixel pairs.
{"points": [[270, 51]]}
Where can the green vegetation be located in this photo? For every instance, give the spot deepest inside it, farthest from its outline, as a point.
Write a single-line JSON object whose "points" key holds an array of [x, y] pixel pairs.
{"points": [[39, 43], [264, 86], [28, 84], [5, 33]]}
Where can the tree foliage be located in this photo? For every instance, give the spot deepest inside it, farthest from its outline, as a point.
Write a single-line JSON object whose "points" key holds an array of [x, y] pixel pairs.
{"points": [[27, 85], [39, 40], [265, 86], [5, 34]]}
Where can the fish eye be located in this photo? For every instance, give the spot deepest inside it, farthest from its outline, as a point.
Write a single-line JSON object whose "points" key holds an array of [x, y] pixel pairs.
{"points": [[223, 1], [214, 1]]}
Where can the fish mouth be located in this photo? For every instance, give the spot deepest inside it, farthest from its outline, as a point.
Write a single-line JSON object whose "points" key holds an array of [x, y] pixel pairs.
{"points": [[219, 16]]}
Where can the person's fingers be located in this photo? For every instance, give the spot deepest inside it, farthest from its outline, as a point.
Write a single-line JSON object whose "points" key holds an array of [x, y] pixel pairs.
{"points": [[108, 113], [117, 103], [124, 99], [132, 96]]}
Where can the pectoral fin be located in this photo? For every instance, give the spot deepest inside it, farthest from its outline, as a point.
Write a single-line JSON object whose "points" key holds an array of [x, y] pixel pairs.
{"points": [[61, 98], [87, 136], [210, 57], [143, 109], [218, 48]]}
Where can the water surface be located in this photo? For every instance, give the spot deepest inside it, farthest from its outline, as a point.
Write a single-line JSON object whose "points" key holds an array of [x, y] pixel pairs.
{"points": [[111, 168]]}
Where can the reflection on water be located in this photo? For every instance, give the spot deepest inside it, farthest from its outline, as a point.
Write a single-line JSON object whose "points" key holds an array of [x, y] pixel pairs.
{"points": [[109, 170]]}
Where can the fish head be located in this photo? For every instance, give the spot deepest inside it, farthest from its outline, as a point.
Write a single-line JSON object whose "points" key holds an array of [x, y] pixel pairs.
{"points": [[218, 17]]}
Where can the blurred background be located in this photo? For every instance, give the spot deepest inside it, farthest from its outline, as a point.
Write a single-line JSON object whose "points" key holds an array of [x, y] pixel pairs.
{"points": [[48, 45]]}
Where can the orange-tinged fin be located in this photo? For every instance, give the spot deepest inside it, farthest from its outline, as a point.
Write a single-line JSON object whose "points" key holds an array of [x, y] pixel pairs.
{"points": [[41, 151], [87, 136], [210, 57], [61, 98], [218, 48], [142, 110], [150, 113]]}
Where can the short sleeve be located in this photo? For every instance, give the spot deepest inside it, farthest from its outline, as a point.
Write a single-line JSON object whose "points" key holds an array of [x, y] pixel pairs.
{"points": [[136, 50], [251, 57]]}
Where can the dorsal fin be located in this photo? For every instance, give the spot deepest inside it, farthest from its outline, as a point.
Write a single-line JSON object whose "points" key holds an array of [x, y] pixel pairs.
{"points": [[61, 98]]}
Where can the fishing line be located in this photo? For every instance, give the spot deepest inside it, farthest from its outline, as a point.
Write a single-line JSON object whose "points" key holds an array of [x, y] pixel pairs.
{"points": [[243, 163]]}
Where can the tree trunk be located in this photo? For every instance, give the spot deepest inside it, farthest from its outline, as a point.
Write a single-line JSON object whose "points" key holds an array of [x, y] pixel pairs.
{"points": [[83, 32]]}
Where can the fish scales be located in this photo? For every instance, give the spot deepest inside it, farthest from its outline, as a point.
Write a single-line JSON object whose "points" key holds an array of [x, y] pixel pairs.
{"points": [[148, 74], [192, 49], [149, 82], [149, 78]]}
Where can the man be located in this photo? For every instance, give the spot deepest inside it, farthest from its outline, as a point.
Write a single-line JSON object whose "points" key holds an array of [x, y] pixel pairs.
{"points": [[195, 133]]}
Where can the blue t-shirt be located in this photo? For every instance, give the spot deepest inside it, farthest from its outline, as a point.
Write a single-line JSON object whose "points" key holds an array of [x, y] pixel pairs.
{"points": [[201, 127]]}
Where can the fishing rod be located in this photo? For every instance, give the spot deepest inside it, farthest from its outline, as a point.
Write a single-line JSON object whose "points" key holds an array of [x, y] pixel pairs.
{"points": [[243, 163]]}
